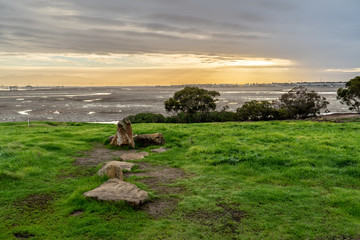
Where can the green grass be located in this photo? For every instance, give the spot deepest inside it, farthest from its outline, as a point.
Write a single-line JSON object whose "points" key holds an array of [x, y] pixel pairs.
{"points": [[292, 180]]}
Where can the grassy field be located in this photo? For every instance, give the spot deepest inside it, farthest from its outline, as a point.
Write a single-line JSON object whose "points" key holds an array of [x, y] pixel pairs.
{"points": [[283, 179]]}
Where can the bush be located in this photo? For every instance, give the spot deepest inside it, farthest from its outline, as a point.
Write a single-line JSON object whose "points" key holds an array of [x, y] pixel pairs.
{"points": [[350, 95], [256, 111], [191, 100], [299, 102], [147, 118]]}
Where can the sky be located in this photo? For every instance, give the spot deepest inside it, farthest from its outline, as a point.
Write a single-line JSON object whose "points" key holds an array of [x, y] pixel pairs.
{"points": [[166, 42]]}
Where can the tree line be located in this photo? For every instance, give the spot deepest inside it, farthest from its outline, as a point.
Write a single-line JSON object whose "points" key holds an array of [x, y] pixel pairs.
{"points": [[193, 104]]}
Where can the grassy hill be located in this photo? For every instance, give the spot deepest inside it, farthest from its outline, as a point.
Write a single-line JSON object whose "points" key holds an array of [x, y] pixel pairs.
{"points": [[260, 180]]}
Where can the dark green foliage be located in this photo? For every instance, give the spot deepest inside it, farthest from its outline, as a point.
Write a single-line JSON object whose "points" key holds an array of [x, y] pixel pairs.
{"points": [[257, 110], [191, 100], [299, 102], [147, 118], [181, 117], [350, 95]]}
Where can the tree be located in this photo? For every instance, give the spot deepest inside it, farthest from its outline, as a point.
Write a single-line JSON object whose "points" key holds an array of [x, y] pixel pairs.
{"points": [[256, 110], [191, 100], [350, 95], [299, 102]]}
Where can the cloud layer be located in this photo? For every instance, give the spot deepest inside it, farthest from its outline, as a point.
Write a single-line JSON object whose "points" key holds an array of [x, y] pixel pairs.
{"points": [[316, 35]]}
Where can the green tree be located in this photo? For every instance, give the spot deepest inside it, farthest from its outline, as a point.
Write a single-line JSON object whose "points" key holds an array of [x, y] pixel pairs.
{"points": [[350, 95], [191, 100], [299, 102], [256, 110]]}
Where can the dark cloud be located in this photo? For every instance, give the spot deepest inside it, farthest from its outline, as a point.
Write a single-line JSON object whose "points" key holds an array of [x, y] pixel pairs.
{"points": [[319, 33]]}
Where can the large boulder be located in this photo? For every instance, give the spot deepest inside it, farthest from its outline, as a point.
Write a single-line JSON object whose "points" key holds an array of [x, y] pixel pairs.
{"points": [[124, 134], [116, 190], [149, 139]]}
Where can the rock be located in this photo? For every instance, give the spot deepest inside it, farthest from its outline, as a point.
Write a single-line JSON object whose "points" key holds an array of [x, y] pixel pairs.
{"points": [[124, 134], [133, 156], [149, 139], [111, 169], [126, 165], [159, 150], [116, 190]]}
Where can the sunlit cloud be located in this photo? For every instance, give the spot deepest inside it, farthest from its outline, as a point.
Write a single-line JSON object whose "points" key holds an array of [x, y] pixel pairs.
{"points": [[137, 61], [344, 70]]}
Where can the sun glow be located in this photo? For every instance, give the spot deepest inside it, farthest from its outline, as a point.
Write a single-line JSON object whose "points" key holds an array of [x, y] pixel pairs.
{"points": [[138, 69]]}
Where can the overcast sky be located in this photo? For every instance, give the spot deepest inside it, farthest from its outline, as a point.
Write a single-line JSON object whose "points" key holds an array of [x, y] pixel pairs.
{"points": [[178, 41]]}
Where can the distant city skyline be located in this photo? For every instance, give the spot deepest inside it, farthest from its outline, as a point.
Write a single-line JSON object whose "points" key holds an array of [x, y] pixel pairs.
{"points": [[157, 42]]}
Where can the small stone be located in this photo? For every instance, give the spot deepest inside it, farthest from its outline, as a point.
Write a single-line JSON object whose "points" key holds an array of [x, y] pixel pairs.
{"points": [[116, 190], [133, 156], [159, 150], [111, 169]]}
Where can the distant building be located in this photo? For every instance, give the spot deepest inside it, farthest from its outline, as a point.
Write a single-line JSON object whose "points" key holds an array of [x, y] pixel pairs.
{"points": [[28, 88], [13, 88]]}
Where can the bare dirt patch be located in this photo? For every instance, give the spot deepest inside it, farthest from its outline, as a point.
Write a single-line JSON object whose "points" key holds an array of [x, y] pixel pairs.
{"points": [[101, 154], [23, 235], [224, 220], [160, 179], [76, 212], [161, 207], [35, 202]]}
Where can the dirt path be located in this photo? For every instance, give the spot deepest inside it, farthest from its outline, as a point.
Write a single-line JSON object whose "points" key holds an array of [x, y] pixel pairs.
{"points": [[159, 178]]}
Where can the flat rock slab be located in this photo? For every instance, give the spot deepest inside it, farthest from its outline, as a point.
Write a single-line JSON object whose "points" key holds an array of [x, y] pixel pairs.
{"points": [[133, 156], [159, 150], [116, 190]]}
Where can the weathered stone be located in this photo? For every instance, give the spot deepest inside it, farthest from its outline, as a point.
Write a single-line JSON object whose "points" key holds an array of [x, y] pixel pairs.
{"points": [[133, 156], [149, 139], [126, 165], [124, 134], [116, 190], [111, 169], [159, 150]]}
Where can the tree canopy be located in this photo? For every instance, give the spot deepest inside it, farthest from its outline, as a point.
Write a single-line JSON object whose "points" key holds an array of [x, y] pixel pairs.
{"points": [[299, 102], [256, 110], [350, 95], [191, 100]]}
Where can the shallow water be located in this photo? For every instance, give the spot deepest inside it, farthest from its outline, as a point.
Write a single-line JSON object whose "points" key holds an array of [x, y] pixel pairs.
{"points": [[85, 104]]}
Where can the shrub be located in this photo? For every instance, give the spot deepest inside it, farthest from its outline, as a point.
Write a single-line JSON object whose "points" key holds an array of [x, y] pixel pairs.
{"points": [[299, 102], [147, 118], [256, 111]]}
